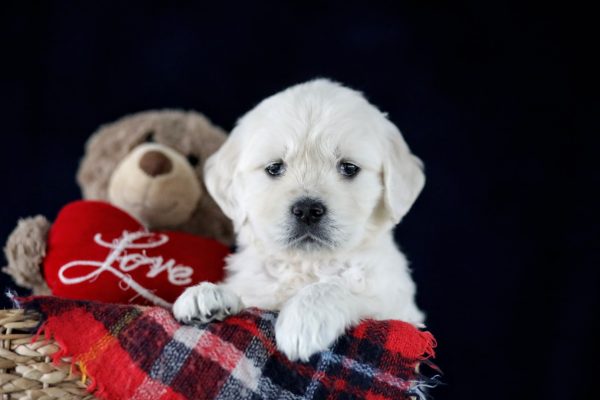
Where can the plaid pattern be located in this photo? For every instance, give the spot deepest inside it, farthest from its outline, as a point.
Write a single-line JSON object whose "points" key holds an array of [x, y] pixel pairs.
{"points": [[136, 352]]}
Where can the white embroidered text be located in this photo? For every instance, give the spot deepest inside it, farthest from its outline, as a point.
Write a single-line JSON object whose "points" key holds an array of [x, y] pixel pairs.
{"points": [[119, 263]]}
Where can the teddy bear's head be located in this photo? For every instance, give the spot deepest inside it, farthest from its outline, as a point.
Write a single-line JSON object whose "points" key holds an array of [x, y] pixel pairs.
{"points": [[150, 165]]}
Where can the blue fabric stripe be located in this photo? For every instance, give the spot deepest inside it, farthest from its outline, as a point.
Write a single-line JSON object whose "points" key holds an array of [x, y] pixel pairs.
{"points": [[170, 361]]}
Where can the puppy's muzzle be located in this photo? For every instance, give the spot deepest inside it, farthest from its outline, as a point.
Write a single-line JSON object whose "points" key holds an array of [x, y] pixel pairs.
{"points": [[308, 211]]}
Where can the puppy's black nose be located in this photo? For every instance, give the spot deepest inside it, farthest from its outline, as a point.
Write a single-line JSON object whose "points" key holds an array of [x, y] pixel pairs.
{"points": [[309, 211]]}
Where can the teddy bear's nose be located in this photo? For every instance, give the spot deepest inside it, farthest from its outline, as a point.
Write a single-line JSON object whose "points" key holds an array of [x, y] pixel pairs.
{"points": [[155, 163]]}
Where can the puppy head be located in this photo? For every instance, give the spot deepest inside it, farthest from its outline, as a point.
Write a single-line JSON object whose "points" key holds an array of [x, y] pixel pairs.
{"points": [[314, 168]]}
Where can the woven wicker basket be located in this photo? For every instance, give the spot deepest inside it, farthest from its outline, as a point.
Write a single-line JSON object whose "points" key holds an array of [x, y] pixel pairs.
{"points": [[26, 369]]}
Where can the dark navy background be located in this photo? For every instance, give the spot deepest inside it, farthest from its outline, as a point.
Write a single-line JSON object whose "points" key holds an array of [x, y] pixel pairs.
{"points": [[486, 93]]}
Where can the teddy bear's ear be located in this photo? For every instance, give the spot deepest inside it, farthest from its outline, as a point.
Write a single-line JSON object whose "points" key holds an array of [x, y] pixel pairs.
{"points": [[103, 151], [220, 172]]}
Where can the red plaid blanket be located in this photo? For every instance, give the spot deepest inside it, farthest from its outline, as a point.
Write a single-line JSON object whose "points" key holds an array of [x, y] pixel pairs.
{"points": [[135, 352]]}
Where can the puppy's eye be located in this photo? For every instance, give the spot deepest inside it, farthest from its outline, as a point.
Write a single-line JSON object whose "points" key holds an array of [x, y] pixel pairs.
{"points": [[276, 168], [149, 138], [193, 160], [348, 169]]}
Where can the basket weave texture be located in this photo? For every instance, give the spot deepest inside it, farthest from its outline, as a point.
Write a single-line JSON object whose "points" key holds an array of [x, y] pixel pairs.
{"points": [[26, 368]]}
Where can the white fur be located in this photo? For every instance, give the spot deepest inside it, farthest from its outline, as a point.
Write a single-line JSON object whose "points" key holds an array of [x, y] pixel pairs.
{"points": [[358, 272]]}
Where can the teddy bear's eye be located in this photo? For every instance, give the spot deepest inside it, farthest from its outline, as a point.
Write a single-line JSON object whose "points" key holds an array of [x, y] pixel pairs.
{"points": [[193, 160], [149, 137]]}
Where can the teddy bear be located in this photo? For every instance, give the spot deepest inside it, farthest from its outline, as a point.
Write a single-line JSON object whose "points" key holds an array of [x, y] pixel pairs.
{"points": [[147, 165]]}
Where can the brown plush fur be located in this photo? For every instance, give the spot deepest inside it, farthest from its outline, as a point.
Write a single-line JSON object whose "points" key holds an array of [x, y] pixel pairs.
{"points": [[185, 132], [25, 250], [188, 133]]}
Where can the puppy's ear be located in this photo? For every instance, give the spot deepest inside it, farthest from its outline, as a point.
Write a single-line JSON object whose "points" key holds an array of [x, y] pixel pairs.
{"points": [[403, 176], [219, 176]]}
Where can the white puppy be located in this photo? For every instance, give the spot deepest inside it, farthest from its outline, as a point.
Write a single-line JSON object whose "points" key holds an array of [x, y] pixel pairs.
{"points": [[314, 179]]}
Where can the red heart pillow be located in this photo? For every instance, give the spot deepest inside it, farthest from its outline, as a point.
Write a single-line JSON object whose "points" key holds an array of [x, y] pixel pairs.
{"points": [[99, 252]]}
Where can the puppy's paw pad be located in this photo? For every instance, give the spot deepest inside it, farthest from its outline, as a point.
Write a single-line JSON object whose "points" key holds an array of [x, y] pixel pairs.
{"points": [[206, 302]]}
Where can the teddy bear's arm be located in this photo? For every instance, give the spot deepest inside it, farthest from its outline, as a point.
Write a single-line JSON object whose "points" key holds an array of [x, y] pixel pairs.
{"points": [[25, 250]]}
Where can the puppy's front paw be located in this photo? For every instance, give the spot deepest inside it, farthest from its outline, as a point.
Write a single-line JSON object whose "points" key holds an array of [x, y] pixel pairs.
{"points": [[307, 325], [206, 302]]}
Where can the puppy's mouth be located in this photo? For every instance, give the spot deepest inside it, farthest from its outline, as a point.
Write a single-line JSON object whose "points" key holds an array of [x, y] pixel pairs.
{"points": [[308, 241]]}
